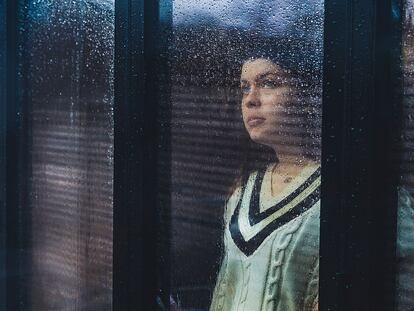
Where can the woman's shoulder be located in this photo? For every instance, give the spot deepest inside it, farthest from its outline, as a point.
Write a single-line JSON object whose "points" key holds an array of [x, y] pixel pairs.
{"points": [[236, 193], [231, 202], [238, 185]]}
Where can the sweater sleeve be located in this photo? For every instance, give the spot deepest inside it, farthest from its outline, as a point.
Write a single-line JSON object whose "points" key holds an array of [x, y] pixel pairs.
{"points": [[219, 290], [221, 283], [312, 293]]}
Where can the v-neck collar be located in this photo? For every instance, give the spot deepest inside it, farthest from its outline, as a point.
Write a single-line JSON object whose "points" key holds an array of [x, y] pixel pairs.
{"points": [[267, 199], [286, 196], [250, 228]]}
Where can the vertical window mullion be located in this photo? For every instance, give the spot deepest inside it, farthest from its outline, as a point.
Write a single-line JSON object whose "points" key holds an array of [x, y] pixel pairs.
{"points": [[12, 137], [15, 149], [359, 189], [135, 144], [3, 101], [128, 255]]}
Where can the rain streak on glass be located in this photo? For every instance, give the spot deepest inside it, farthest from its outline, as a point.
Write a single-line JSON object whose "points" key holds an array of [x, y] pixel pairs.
{"points": [[246, 84], [67, 81]]}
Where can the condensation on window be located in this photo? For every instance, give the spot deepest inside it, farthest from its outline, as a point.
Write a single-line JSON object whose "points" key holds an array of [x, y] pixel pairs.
{"points": [[67, 83], [246, 83]]}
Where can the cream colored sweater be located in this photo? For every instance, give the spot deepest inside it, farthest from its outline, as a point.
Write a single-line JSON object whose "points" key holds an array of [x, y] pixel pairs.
{"points": [[271, 246], [271, 254]]}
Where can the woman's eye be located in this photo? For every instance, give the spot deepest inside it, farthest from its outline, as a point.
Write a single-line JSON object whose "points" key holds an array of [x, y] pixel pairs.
{"points": [[269, 84], [245, 89]]}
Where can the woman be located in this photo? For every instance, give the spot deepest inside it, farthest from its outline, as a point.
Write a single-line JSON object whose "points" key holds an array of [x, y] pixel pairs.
{"points": [[271, 220]]}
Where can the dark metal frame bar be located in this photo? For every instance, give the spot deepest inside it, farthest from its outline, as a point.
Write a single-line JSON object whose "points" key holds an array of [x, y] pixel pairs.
{"points": [[359, 172], [12, 142], [15, 164], [132, 262], [141, 94], [3, 101]]}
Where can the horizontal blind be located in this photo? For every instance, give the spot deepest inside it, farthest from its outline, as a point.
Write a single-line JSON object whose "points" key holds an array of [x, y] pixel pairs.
{"points": [[69, 49]]}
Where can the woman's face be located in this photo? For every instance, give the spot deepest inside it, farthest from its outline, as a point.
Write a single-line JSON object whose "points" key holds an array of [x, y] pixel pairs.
{"points": [[267, 96]]}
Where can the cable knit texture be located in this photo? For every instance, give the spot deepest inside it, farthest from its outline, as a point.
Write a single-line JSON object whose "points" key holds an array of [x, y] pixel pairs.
{"points": [[277, 257], [281, 274]]}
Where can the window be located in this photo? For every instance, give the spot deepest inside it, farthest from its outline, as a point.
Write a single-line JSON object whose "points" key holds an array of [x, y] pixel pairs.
{"points": [[63, 233], [212, 149], [122, 128]]}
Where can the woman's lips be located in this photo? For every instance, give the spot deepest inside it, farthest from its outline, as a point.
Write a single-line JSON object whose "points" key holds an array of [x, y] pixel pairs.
{"points": [[255, 121]]}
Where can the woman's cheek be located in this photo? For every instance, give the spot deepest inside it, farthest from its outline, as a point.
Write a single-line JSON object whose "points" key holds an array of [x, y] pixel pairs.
{"points": [[275, 109]]}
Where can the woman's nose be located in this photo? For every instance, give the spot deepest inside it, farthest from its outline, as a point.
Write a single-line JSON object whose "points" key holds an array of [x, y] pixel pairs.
{"points": [[253, 98]]}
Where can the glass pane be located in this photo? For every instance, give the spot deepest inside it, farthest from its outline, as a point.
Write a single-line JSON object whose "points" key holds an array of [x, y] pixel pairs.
{"points": [[246, 84], [67, 88]]}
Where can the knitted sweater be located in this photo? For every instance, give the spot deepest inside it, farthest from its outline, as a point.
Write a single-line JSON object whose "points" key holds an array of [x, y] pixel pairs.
{"points": [[271, 247], [271, 251]]}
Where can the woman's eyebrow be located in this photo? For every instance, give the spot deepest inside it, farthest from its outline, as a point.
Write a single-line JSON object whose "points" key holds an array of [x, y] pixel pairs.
{"points": [[265, 74]]}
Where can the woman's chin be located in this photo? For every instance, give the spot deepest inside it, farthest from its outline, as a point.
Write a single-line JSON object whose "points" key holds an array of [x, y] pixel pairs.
{"points": [[261, 139]]}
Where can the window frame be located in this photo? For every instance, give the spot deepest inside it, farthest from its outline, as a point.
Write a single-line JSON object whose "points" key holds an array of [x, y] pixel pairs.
{"points": [[3, 100], [358, 70], [141, 98], [361, 110], [16, 137]]}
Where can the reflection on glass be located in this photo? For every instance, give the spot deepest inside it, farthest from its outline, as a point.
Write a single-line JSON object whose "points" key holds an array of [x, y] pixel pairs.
{"points": [[245, 169], [68, 89]]}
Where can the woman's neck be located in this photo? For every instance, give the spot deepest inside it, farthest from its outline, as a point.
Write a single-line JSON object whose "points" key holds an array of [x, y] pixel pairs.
{"points": [[288, 155], [291, 159], [287, 169]]}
